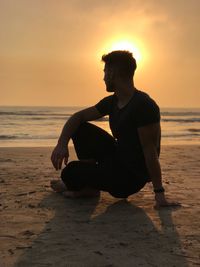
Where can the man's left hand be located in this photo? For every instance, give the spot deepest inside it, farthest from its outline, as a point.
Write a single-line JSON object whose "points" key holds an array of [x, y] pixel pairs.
{"points": [[161, 201]]}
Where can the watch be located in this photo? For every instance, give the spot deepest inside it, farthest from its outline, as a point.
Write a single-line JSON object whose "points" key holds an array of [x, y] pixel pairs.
{"points": [[160, 190]]}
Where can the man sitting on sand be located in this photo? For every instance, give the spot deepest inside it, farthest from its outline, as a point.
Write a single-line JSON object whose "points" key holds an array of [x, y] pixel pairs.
{"points": [[120, 164]]}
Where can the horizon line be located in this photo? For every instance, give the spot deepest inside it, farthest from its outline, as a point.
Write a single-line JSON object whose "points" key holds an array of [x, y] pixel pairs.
{"points": [[85, 106]]}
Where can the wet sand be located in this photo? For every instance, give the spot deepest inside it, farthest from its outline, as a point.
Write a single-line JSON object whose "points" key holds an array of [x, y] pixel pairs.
{"points": [[41, 228]]}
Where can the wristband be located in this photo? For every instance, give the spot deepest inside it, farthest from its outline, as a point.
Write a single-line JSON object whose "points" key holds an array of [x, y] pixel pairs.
{"points": [[160, 190]]}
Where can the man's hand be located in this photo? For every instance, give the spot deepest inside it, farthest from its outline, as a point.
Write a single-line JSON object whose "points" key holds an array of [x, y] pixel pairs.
{"points": [[161, 201], [59, 154]]}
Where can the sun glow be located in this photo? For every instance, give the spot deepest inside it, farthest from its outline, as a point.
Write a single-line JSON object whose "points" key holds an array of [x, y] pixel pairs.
{"points": [[125, 44]]}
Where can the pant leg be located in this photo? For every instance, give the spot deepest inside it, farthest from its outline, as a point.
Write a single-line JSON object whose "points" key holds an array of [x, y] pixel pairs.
{"points": [[92, 142], [126, 184], [79, 174], [107, 177]]}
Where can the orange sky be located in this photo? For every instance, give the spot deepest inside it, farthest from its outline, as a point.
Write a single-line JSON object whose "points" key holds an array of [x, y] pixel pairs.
{"points": [[50, 51]]}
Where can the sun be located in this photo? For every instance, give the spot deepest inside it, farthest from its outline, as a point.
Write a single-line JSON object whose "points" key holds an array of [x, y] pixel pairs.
{"points": [[128, 44]]}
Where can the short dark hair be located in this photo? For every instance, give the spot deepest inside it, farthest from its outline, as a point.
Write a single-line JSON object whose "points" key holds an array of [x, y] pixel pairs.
{"points": [[123, 60]]}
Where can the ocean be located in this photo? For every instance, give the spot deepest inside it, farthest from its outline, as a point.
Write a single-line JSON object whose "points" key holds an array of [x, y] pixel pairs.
{"points": [[41, 126]]}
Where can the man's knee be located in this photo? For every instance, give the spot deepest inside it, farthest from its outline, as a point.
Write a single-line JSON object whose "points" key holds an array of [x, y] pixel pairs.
{"points": [[69, 175], [69, 170], [81, 129]]}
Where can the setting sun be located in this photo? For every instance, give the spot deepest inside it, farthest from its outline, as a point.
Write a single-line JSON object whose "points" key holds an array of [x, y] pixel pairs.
{"points": [[124, 43]]}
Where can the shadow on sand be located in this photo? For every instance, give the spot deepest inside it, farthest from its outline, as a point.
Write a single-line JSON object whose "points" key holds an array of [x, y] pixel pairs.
{"points": [[121, 235]]}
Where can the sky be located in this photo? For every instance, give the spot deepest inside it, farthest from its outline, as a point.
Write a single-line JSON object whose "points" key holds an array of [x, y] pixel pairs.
{"points": [[50, 51]]}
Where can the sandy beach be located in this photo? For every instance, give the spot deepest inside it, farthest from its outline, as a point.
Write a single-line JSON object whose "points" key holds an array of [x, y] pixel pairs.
{"points": [[41, 228]]}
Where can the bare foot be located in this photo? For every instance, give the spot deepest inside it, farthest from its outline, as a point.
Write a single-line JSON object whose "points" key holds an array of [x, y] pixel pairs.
{"points": [[87, 193], [58, 186]]}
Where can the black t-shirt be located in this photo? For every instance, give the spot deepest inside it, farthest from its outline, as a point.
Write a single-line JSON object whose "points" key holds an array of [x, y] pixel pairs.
{"points": [[141, 110]]}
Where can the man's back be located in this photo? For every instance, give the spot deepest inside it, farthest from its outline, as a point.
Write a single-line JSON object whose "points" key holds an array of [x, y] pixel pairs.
{"points": [[141, 110]]}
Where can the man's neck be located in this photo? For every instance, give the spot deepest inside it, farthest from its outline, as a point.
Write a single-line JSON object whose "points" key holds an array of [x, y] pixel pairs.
{"points": [[124, 93]]}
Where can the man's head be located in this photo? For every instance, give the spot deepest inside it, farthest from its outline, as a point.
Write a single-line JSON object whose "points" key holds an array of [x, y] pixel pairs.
{"points": [[119, 65]]}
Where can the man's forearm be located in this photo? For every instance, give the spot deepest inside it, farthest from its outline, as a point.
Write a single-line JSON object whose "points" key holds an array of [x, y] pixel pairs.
{"points": [[154, 169], [69, 128]]}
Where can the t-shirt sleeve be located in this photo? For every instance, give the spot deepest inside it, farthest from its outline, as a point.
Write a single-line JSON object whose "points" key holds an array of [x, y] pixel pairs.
{"points": [[148, 113], [104, 105]]}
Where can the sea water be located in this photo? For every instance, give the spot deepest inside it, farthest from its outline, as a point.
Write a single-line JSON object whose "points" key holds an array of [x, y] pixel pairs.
{"points": [[41, 126]]}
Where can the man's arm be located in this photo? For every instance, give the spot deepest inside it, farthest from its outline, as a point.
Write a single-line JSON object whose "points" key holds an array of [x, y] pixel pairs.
{"points": [[88, 114], [149, 137], [60, 152]]}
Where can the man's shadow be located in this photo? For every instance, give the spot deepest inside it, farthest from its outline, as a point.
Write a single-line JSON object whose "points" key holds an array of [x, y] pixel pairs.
{"points": [[80, 234]]}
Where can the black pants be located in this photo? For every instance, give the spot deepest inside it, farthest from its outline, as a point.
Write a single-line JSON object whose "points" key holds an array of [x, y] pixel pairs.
{"points": [[106, 173]]}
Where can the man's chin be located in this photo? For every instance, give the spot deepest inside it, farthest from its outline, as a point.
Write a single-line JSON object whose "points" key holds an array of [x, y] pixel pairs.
{"points": [[108, 89]]}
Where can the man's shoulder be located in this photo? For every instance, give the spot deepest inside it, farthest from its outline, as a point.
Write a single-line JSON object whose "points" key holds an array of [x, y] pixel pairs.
{"points": [[108, 98], [144, 99], [104, 105], [146, 110]]}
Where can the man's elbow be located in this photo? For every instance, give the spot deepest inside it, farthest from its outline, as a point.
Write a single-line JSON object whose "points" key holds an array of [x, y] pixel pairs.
{"points": [[78, 116]]}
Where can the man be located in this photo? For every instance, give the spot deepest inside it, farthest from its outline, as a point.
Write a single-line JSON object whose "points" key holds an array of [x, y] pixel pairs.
{"points": [[120, 164]]}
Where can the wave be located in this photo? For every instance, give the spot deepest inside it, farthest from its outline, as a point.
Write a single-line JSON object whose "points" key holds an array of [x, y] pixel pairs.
{"points": [[49, 118], [56, 113], [63, 118], [27, 113], [180, 113], [181, 120], [67, 116], [194, 130], [26, 137], [186, 136], [7, 137], [190, 134], [40, 117]]}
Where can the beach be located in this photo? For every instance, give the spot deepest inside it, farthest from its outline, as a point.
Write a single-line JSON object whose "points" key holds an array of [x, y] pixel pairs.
{"points": [[41, 228]]}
